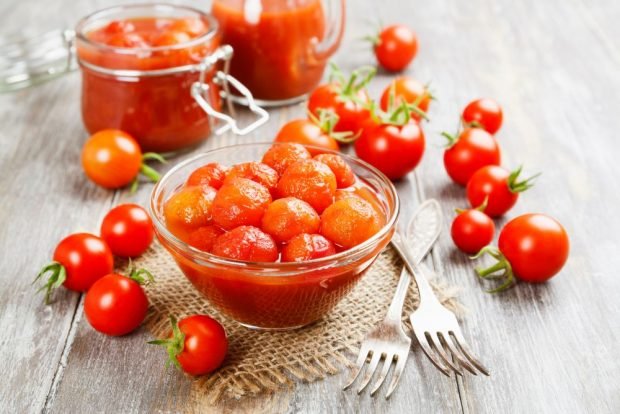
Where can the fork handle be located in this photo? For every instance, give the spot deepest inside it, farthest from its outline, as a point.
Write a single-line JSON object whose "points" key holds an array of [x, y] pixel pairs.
{"points": [[425, 291]]}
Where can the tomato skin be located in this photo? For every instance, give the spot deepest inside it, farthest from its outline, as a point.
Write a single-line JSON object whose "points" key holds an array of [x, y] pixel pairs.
{"points": [[111, 158], [306, 132], [115, 305], [485, 112], [396, 47], [205, 345], [536, 245], [393, 150], [472, 230], [492, 182], [474, 148], [352, 115], [86, 258], [128, 230], [408, 90]]}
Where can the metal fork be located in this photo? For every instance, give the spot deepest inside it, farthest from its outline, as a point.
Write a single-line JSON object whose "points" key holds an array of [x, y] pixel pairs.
{"points": [[388, 339], [435, 327]]}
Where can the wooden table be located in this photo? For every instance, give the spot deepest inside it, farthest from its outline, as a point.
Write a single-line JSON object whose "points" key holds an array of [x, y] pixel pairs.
{"points": [[554, 66]]}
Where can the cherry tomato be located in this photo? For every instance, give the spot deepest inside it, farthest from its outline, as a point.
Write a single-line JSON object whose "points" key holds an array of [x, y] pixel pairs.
{"points": [[346, 98], [79, 261], [116, 305], [198, 344], [473, 149], [496, 186], [394, 150], [408, 90], [128, 230], [112, 159], [532, 247], [484, 112], [395, 47], [472, 230], [306, 132]]}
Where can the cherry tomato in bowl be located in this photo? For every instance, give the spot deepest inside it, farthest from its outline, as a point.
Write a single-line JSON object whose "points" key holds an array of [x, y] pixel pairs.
{"points": [[198, 344], [79, 261], [483, 113], [395, 47], [531, 247], [116, 305], [128, 230]]}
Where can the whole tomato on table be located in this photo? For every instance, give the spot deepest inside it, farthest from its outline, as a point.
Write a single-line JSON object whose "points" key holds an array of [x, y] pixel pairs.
{"points": [[498, 187], [395, 47], [409, 90], [116, 305], [347, 98], [128, 230], [472, 230], [198, 344], [483, 113], [316, 132], [473, 149], [79, 261], [394, 143], [532, 247], [113, 159]]}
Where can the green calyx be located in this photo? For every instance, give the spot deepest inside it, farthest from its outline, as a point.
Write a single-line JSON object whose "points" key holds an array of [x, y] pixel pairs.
{"points": [[517, 186], [327, 121], [452, 139], [148, 171], [500, 271], [351, 86], [174, 345], [55, 280], [472, 124], [480, 208], [141, 276]]}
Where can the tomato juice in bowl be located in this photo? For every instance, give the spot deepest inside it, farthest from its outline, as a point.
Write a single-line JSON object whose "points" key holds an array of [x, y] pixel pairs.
{"points": [[273, 295]]}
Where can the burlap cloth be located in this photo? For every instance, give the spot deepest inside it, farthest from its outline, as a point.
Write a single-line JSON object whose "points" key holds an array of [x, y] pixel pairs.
{"points": [[261, 362]]}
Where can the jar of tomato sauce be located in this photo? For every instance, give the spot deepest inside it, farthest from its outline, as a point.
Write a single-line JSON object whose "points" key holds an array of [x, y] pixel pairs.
{"points": [[154, 72], [281, 46]]}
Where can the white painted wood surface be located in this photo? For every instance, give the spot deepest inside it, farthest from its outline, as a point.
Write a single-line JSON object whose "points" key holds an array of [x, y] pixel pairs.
{"points": [[554, 66]]}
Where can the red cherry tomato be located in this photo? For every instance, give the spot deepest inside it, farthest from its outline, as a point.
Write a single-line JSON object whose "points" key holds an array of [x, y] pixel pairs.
{"points": [[498, 187], [473, 149], [79, 261], [347, 98], [113, 159], [198, 344], [116, 305], [472, 230], [395, 47], [484, 112], [394, 150], [408, 90], [306, 132], [532, 247], [128, 230]]}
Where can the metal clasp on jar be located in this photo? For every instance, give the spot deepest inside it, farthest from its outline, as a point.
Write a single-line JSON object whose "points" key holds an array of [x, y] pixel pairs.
{"points": [[222, 78]]}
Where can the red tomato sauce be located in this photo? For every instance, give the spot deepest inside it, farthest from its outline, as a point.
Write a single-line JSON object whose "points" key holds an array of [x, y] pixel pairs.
{"points": [[273, 47], [158, 111]]}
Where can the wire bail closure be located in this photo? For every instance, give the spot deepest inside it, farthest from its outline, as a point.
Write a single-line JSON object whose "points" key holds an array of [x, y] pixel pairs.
{"points": [[222, 78]]}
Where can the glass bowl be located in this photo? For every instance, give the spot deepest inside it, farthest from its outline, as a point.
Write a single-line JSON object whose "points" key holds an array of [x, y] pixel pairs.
{"points": [[275, 296]]}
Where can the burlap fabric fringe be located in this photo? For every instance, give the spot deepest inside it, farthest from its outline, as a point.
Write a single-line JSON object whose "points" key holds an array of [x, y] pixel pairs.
{"points": [[307, 354]]}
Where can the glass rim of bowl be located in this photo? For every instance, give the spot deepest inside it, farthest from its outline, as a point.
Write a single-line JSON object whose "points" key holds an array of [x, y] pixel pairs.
{"points": [[82, 25], [351, 253]]}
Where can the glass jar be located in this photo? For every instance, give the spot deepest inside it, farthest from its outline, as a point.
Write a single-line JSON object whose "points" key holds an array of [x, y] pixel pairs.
{"points": [[281, 295], [281, 46], [167, 96]]}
